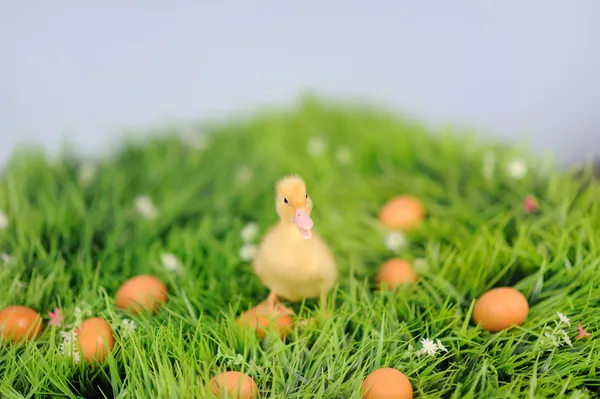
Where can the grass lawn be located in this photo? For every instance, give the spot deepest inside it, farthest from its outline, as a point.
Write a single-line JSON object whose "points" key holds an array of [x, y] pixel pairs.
{"points": [[73, 236]]}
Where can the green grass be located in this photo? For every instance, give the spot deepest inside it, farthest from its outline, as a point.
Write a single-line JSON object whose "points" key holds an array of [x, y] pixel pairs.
{"points": [[73, 244]]}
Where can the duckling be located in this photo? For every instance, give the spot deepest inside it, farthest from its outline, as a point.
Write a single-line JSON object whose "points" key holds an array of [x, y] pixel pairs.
{"points": [[292, 260]]}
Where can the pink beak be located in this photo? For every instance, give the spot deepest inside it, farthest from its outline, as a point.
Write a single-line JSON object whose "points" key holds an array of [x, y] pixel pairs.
{"points": [[304, 223]]}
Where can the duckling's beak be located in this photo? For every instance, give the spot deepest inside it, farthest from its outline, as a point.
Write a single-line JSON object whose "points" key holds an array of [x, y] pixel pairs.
{"points": [[304, 223]]}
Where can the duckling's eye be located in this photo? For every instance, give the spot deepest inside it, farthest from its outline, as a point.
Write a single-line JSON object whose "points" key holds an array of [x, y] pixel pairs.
{"points": [[306, 196], [285, 200]]}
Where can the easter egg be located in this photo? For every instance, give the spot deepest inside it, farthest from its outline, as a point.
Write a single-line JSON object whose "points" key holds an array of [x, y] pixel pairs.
{"points": [[234, 385], [19, 323], [500, 308], [386, 383], [95, 339], [395, 272], [263, 322], [140, 293], [403, 212]]}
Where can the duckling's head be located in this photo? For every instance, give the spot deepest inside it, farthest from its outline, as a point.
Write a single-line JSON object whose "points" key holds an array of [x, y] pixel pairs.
{"points": [[293, 204]]}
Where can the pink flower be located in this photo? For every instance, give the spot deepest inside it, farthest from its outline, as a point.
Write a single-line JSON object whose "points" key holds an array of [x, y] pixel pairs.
{"points": [[530, 204], [582, 332], [55, 318]]}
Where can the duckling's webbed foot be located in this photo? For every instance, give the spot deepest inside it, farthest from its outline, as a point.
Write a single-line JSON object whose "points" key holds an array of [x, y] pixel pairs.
{"points": [[272, 300], [273, 307]]}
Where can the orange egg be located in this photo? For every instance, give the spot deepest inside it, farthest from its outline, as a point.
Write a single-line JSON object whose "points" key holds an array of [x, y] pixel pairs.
{"points": [[140, 293], [20, 323], [500, 308], [95, 338], [403, 212], [263, 322], [395, 272], [233, 385], [386, 383]]}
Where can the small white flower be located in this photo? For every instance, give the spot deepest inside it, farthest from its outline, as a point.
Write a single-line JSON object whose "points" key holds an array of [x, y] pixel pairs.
{"points": [[146, 207], [86, 173], [441, 346], [429, 347], [566, 338], [248, 252], [244, 174], [516, 168], [6, 259], [487, 169], [550, 339], [316, 146], [78, 315], [238, 359], [68, 345], [3, 220], [170, 262], [563, 319], [68, 336], [128, 327], [249, 232], [343, 154], [395, 240]]}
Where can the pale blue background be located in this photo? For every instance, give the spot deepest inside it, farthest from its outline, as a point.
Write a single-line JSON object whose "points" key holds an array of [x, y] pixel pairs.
{"points": [[510, 68]]}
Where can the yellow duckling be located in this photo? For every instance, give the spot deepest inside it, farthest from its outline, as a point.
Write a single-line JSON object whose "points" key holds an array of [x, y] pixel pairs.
{"points": [[293, 261]]}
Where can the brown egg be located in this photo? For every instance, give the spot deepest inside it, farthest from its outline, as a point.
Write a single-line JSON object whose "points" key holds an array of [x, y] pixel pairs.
{"points": [[20, 323], [386, 383], [395, 272], [262, 323], [233, 385], [500, 308], [95, 338], [403, 212], [140, 293]]}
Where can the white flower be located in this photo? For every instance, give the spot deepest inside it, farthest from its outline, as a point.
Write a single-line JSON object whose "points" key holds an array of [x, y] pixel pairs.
{"points": [[170, 262], [316, 146], [68, 345], [563, 319], [487, 169], [395, 240], [248, 252], [429, 347], [244, 174], [249, 232], [516, 168], [3, 220], [550, 339], [78, 315], [145, 207], [343, 154], [6, 259], [566, 338], [86, 173], [441, 346], [128, 327]]}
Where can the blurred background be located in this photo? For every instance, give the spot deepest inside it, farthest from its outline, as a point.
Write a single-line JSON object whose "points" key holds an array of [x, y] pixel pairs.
{"points": [[87, 72]]}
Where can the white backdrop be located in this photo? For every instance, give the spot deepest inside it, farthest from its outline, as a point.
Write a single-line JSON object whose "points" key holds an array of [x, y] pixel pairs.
{"points": [[83, 71]]}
